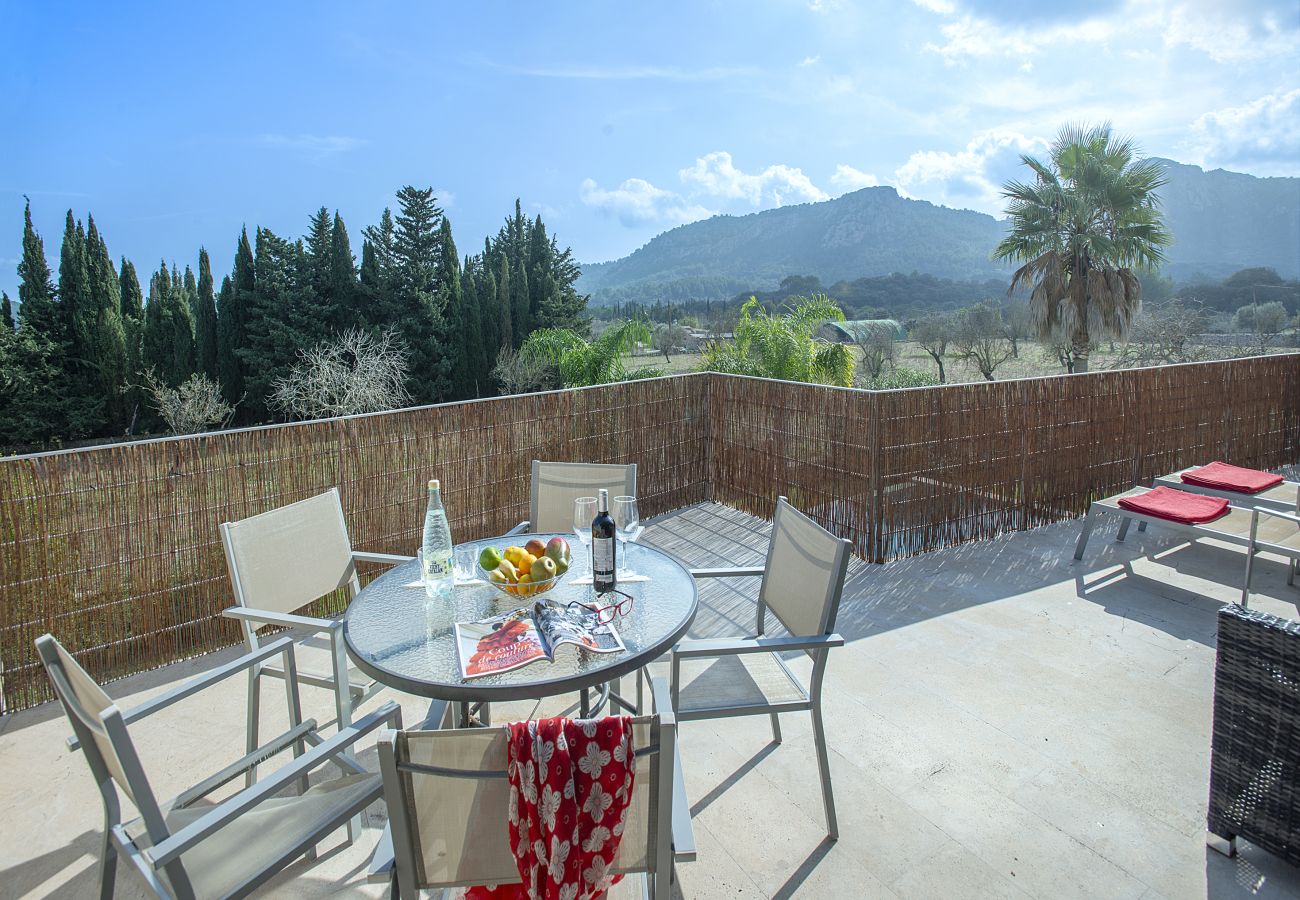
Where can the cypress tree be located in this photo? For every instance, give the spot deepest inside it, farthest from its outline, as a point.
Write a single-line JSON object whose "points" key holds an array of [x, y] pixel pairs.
{"points": [[168, 343], [232, 322], [378, 275], [205, 320], [36, 305], [7, 311], [503, 304], [464, 343], [490, 318], [132, 308], [87, 413], [108, 334], [343, 286], [282, 318]]}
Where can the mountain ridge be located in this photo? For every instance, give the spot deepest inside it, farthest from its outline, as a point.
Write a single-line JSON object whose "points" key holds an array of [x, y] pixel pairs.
{"points": [[1222, 222]]}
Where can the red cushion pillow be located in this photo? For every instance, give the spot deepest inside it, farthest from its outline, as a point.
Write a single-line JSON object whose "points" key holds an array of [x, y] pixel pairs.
{"points": [[1176, 506], [1224, 477]]}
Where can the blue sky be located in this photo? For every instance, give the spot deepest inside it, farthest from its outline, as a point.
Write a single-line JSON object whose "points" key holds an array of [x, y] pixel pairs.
{"points": [[177, 124]]}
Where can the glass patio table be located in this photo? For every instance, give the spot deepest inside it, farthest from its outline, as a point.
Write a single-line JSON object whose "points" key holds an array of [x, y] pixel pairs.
{"points": [[398, 635]]}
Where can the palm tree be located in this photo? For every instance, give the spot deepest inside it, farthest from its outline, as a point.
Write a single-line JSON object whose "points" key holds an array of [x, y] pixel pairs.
{"points": [[1090, 218], [782, 345], [600, 361]]}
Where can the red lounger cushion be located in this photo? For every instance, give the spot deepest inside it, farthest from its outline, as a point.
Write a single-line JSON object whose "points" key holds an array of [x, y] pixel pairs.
{"points": [[1224, 477], [1177, 506]]}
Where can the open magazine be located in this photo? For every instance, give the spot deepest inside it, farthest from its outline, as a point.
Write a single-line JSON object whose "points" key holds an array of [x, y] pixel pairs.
{"points": [[505, 642]]}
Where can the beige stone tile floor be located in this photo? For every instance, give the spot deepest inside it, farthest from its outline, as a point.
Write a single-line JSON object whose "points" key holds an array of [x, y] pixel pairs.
{"points": [[1004, 722]]}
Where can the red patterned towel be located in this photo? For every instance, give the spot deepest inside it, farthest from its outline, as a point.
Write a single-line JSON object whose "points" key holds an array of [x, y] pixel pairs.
{"points": [[1224, 477], [1177, 506], [570, 785]]}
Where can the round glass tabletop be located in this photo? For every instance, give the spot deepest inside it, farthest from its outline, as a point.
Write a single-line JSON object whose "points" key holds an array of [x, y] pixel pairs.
{"points": [[398, 635]]}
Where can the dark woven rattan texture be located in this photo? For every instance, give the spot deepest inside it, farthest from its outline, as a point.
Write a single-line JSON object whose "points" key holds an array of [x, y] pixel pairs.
{"points": [[116, 549], [1255, 755]]}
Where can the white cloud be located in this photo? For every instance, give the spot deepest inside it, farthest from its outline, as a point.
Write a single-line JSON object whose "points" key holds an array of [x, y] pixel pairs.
{"points": [[1263, 134], [446, 199], [312, 146], [638, 202], [943, 7], [847, 178], [810, 61], [1233, 32], [971, 178], [716, 175], [632, 73]]}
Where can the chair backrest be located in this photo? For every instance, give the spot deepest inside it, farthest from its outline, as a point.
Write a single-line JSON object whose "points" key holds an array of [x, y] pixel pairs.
{"points": [[804, 574], [284, 559], [448, 799], [556, 485], [97, 723]]}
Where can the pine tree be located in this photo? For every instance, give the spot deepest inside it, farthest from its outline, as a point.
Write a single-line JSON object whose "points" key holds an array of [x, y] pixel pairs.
{"points": [[343, 287], [420, 319], [205, 319], [7, 312], [232, 323]]}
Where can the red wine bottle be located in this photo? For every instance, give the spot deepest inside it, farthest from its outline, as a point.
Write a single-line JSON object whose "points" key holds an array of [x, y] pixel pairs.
{"points": [[603, 547]]}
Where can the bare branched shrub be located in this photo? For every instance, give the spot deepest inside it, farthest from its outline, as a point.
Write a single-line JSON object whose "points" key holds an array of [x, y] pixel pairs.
{"points": [[357, 372], [523, 373], [879, 349], [197, 405], [1167, 333]]}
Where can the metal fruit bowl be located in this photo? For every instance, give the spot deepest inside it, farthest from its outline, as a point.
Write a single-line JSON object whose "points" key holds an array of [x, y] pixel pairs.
{"points": [[528, 589]]}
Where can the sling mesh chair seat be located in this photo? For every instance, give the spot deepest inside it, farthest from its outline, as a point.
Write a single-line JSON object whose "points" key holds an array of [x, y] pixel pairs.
{"points": [[279, 562], [448, 796], [803, 579], [555, 485], [185, 850]]}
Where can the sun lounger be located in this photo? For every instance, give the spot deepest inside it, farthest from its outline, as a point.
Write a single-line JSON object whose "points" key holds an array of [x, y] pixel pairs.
{"points": [[1270, 531], [1282, 498]]}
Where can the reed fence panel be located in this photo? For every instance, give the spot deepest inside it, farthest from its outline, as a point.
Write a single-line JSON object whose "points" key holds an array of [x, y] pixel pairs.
{"points": [[116, 549]]}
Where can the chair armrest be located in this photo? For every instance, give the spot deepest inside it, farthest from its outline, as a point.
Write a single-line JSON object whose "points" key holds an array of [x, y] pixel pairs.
{"points": [[663, 702], [186, 838], [387, 559], [733, 572], [735, 646], [521, 528], [288, 620], [1277, 513], [194, 685]]}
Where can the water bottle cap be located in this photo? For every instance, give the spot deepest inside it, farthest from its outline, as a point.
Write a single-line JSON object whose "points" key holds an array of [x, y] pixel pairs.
{"points": [[434, 485]]}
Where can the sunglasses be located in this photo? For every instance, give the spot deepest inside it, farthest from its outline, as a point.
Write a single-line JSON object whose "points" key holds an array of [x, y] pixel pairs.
{"points": [[605, 614]]}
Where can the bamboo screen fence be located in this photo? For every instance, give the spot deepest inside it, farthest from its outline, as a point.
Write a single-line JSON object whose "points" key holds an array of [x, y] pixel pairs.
{"points": [[116, 549]]}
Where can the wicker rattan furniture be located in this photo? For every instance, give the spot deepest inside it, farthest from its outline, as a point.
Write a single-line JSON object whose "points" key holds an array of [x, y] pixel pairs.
{"points": [[1255, 755]]}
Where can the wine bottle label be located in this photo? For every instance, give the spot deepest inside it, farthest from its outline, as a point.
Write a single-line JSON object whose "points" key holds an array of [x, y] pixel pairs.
{"points": [[602, 559]]}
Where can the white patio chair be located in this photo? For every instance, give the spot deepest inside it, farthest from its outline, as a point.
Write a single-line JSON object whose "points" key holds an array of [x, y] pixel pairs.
{"points": [[279, 562], [227, 849], [556, 485], [803, 579], [447, 793]]}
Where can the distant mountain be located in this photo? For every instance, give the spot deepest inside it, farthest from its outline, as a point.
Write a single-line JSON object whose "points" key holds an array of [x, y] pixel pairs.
{"points": [[1221, 221], [868, 232], [1226, 221]]}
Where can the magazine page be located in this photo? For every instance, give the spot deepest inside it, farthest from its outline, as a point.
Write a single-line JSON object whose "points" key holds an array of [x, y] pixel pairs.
{"points": [[499, 644], [575, 625]]}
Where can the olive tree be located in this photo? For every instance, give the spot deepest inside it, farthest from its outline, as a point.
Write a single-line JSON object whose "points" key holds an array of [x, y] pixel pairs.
{"points": [[979, 338], [933, 334]]}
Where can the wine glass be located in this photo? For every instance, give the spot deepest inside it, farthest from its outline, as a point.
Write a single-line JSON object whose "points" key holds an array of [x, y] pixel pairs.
{"points": [[627, 521], [584, 510]]}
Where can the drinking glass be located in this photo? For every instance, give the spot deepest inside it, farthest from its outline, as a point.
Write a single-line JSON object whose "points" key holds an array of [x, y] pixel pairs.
{"points": [[627, 522], [465, 564], [584, 510]]}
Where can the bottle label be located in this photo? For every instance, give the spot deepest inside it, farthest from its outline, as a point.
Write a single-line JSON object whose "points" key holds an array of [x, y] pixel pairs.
{"points": [[602, 559]]}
